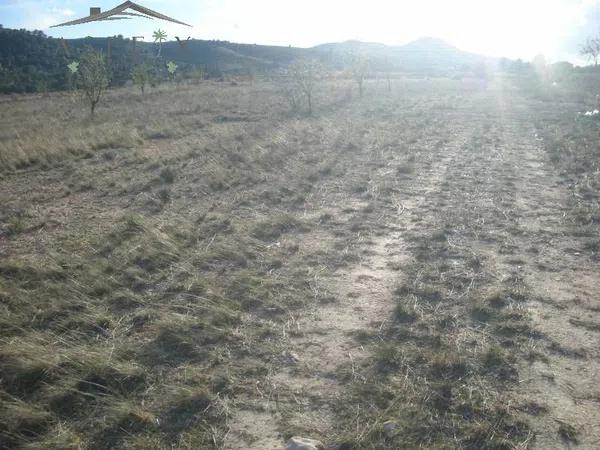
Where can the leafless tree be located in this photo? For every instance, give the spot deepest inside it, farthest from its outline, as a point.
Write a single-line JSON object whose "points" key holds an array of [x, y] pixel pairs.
{"points": [[305, 74], [358, 67], [387, 70], [591, 50]]}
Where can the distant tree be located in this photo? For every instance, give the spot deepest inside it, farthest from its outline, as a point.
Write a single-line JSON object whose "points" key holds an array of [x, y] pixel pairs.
{"points": [[591, 50], [388, 77], [93, 77], [560, 71], [306, 73], [250, 70], [141, 75], [358, 67], [387, 67], [197, 74]]}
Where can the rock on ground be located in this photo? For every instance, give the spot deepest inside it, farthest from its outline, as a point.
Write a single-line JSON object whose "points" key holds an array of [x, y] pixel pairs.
{"points": [[299, 443]]}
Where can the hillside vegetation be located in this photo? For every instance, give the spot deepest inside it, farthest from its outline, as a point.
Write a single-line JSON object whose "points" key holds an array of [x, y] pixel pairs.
{"points": [[33, 62]]}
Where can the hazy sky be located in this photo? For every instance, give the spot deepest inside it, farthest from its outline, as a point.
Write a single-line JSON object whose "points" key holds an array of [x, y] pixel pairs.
{"points": [[511, 28]]}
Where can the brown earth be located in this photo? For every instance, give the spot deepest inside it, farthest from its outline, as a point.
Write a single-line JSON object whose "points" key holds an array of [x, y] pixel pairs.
{"points": [[257, 274]]}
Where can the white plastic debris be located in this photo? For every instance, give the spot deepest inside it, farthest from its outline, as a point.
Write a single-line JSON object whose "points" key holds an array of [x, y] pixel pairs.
{"points": [[298, 443]]}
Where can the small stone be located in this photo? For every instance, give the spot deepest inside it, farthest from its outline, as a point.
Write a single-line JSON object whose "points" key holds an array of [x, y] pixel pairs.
{"points": [[299, 443], [291, 357], [390, 429]]}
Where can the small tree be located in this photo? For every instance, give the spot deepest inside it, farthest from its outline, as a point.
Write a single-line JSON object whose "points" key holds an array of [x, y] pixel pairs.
{"points": [[93, 77], [306, 74], [387, 70], [358, 66], [591, 50], [141, 75]]}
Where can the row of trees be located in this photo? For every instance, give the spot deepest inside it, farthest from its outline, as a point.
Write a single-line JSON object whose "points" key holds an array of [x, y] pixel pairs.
{"points": [[303, 76], [91, 75]]}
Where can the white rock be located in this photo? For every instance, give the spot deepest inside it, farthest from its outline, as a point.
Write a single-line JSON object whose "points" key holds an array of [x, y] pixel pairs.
{"points": [[299, 443], [290, 357]]}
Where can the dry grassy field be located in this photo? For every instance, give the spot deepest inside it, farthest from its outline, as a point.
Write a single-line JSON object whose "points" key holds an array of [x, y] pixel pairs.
{"points": [[202, 267]]}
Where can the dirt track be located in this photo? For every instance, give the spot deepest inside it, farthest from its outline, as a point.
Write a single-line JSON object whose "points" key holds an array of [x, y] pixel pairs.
{"points": [[484, 179]]}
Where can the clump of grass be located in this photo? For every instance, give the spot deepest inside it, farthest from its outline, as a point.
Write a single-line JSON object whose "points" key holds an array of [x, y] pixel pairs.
{"points": [[273, 227], [482, 312], [22, 423], [587, 324], [568, 432], [497, 300], [403, 314], [223, 254], [167, 175], [164, 195], [448, 366], [214, 223], [498, 363], [405, 169], [16, 225]]}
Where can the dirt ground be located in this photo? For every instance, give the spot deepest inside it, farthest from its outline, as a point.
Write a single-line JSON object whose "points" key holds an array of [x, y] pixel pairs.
{"points": [[405, 258]]}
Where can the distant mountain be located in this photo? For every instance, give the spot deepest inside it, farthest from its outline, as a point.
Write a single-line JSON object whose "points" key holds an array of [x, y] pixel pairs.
{"points": [[424, 54], [349, 46]]}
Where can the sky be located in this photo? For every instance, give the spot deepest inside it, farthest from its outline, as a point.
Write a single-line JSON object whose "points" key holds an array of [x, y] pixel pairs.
{"points": [[509, 28]]}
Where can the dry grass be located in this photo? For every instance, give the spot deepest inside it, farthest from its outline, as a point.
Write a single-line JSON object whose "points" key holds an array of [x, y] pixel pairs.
{"points": [[151, 258], [133, 245]]}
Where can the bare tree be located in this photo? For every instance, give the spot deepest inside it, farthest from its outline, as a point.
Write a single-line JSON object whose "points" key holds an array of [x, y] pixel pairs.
{"points": [[358, 67], [290, 91], [387, 70], [591, 50], [306, 74], [93, 77]]}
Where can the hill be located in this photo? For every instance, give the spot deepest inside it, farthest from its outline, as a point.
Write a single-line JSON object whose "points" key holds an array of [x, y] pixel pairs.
{"points": [[32, 62], [424, 55]]}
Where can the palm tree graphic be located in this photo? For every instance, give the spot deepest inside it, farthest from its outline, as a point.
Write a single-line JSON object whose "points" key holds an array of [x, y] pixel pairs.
{"points": [[159, 36]]}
